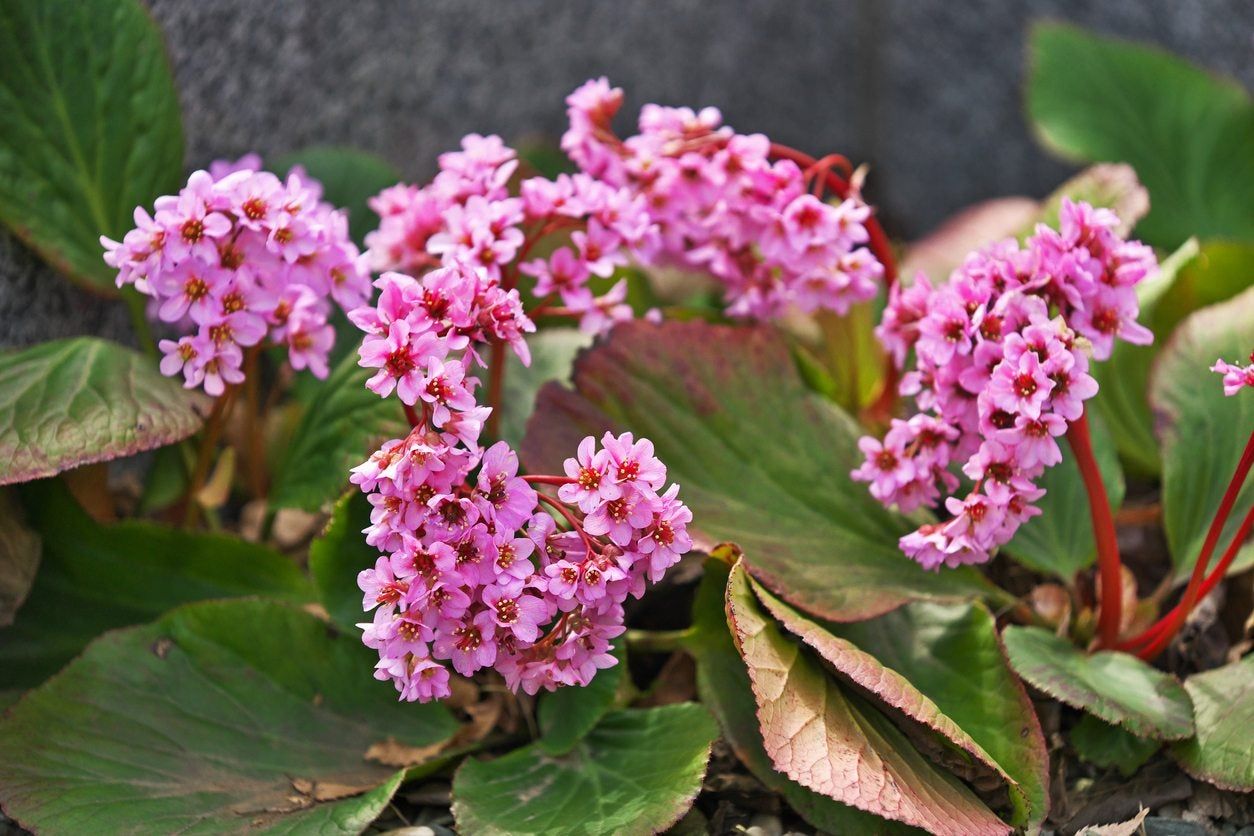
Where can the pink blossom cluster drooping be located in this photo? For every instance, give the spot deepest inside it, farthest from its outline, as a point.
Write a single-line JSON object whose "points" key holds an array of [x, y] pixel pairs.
{"points": [[1236, 377], [476, 573], [468, 214], [724, 207], [1001, 356], [236, 258]]}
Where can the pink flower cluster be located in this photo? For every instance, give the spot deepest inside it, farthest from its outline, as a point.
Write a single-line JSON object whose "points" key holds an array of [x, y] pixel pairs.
{"points": [[1236, 377], [1001, 368], [467, 214], [236, 257], [478, 575], [723, 207], [475, 572]]}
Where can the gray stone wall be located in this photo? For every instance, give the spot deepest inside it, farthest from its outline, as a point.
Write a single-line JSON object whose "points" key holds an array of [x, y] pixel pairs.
{"points": [[927, 91]]}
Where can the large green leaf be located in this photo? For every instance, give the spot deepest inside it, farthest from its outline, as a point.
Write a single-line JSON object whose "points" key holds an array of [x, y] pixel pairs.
{"points": [[71, 402], [339, 429], [637, 772], [91, 126], [552, 352], [724, 687], [221, 717], [761, 461], [1188, 134], [1223, 704], [952, 654], [1060, 541], [1109, 746], [349, 179], [1203, 432], [1116, 687], [96, 577], [833, 741]]}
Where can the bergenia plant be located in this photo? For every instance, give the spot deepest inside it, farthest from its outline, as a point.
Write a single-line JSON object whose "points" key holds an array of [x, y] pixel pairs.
{"points": [[947, 542]]}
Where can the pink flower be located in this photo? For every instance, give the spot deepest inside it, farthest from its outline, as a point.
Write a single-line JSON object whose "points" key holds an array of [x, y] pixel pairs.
{"points": [[1235, 377], [592, 483]]}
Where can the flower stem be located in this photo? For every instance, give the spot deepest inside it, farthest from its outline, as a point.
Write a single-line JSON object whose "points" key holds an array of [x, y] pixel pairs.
{"points": [[411, 415], [548, 480], [208, 443], [659, 641], [496, 387], [1109, 569], [570, 518], [1160, 634]]}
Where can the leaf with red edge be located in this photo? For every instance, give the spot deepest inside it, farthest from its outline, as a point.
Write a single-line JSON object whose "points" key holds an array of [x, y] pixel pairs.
{"points": [[831, 740], [72, 402], [761, 461]]}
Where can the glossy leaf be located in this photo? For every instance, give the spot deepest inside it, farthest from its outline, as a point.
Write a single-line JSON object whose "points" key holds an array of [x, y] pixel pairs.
{"points": [[1223, 750], [1203, 432], [336, 557], [349, 179], [97, 577], [19, 556], [723, 684], [71, 402], [339, 429], [1060, 541], [1110, 747], [761, 461], [566, 715], [985, 708], [637, 772], [222, 716], [553, 351], [1116, 687], [1187, 133], [91, 127], [835, 742], [953, 655]]}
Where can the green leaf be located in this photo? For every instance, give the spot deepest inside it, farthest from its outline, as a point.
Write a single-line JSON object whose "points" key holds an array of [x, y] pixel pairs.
{"points": [[1203, 432], [761, 460], [637, 772], [1116, 687], [1123, 379], [1223, 750], [349, 179], [1060, 541], [553, 351], [343, 424], [338, 555], [952, 654], [1189, 134], [222, 716], [91, 127], [1110, 747], [19, 556], [724, 687], [566, 715], [72, 402], [833, 741], [96, 577]]}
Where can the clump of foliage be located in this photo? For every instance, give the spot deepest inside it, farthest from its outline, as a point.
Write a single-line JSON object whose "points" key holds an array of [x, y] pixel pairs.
{"points": [[461, 413]]}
